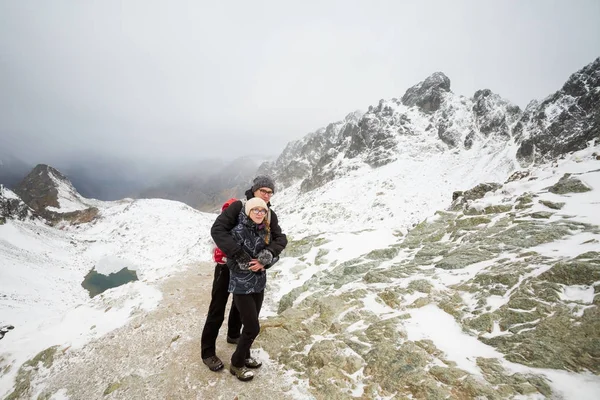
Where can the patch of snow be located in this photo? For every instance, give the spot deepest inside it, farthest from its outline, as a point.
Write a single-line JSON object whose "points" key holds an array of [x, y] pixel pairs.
{"points": [[577, 293], [430, 322], [110, 265], [68, 198], [8, 194]]}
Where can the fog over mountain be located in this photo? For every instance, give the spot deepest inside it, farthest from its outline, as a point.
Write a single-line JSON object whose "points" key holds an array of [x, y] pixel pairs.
{"points": [[153, 84]]}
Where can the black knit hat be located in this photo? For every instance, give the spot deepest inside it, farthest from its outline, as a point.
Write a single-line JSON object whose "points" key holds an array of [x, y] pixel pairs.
{"points": [[261, 182]]}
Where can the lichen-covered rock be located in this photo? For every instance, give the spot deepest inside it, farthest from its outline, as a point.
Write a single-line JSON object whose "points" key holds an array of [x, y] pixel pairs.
{"points": [[428, 231], [512, 383], [524, 201], [465, 255], [568, 184], [383, 254], [541, 214], [552, 205], [320, 257], [27, 371], [498, 208], [297, 248], [420, 285], [470, 223], [545, 330]]}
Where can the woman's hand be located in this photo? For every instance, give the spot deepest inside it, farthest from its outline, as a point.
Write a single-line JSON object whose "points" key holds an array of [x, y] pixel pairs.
{"points": [[256, 266]]}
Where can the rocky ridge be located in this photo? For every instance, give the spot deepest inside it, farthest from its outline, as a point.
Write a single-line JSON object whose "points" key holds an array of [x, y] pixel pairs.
{"points": [[12, 207], [563, 122]]}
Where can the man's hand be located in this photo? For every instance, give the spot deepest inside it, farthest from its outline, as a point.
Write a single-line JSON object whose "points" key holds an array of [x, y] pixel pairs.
{"points": [[256, 266]]}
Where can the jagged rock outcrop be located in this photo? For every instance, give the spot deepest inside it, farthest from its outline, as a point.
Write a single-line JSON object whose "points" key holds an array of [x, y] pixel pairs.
{"points": [[563, 122], [11, 207], [428, 95], [493, 114], [429, 118], [397, 128]]}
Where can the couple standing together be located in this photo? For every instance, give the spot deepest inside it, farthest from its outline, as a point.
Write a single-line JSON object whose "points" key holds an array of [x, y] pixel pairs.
{"points": [[247, 232]]}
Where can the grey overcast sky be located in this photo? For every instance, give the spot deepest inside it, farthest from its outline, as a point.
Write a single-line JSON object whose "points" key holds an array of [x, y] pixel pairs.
{"points": [[177, 79]]}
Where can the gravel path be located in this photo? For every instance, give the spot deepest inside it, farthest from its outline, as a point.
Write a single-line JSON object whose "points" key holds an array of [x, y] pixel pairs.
{"points": [[157, 356]]}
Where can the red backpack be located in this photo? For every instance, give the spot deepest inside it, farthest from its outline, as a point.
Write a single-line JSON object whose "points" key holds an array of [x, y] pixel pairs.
{"points": [[218, 256]]}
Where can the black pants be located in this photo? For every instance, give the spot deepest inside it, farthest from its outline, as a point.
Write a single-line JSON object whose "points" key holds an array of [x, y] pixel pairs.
{"points": [[216, 313], [249, 306]]}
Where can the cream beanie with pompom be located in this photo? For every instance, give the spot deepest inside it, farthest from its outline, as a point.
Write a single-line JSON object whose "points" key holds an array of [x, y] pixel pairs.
{"points": [[254, 203]]}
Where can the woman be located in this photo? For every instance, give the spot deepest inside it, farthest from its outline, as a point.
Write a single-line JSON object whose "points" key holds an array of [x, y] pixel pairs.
{"points": [[247, 279]]}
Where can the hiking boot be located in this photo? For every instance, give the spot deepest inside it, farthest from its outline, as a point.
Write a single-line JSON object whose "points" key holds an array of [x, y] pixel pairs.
{"points": [[241, 373], [252, 363], [233, 340], [213, 363]]}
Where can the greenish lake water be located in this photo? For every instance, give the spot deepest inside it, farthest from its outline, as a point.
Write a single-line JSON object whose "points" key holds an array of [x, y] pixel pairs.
{"points": [[96, 283]]}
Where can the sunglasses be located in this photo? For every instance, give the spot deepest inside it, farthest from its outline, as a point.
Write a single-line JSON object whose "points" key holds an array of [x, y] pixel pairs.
{"points": [[266, 192], [258, 211]]}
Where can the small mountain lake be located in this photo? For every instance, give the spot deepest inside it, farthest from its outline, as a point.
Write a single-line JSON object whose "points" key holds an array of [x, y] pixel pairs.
{"points": [[96, 283]]}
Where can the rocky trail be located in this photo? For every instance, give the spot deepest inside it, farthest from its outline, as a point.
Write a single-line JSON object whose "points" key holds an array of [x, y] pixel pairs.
{"points": [[157, 356]]}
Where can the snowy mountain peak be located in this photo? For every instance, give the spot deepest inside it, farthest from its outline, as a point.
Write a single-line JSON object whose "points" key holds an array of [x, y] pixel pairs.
{"points": [[427, 95], [45, 190], [427, 121], [430, 120]]}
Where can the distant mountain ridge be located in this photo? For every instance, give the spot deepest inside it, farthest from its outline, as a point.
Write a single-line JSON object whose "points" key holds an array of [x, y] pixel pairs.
{"points": [[206, 186]]}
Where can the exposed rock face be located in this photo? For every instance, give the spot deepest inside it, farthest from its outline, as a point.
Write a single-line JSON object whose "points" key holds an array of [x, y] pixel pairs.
{"points": [[563, 122], [312, 158], [493, 114], [461, 199], [428, 95], [38, 189], [12, 207]]}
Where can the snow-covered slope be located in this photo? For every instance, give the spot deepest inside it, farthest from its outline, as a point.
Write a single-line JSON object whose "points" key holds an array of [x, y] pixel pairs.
{"points": [[376, 313], [42, 268], [393, 196]]}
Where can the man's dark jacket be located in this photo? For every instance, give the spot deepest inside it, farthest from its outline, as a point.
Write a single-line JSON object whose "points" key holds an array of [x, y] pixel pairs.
{"points": [[228, 219]]}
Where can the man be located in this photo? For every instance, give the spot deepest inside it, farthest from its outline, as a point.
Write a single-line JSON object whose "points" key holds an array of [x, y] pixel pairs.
{"points": [[262, 187]]}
